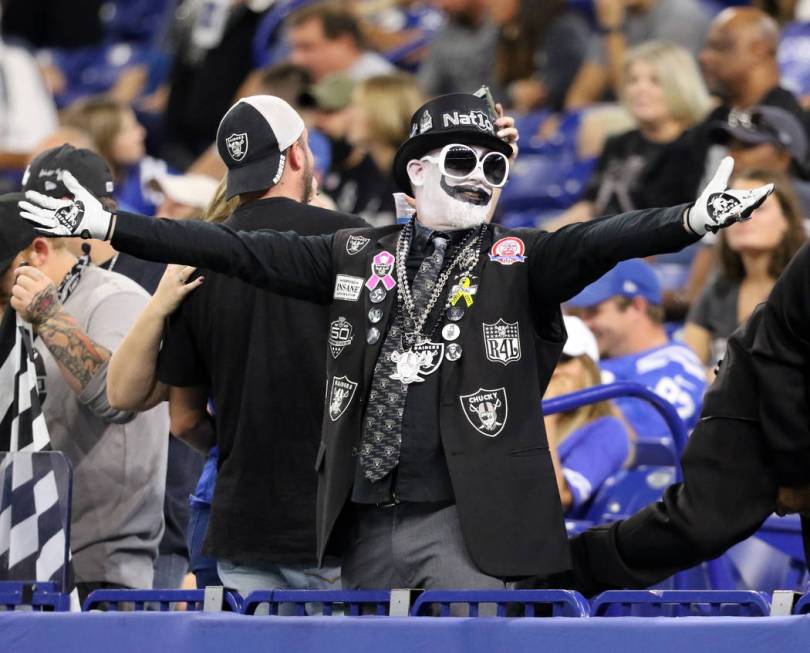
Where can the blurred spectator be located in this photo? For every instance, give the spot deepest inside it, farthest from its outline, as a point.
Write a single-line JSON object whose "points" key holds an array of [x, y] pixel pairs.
{"points": [[119, 138], [752, 256], [44, 174], [327, 39], [767, 138], [380, 117], [64, 135], [214, 56], [623, 310], [461, 56], [353, 181], [27, 109], [739, 65], [541, 45], [54, 23], [184, 196], [592, 442], [118, 457], [626, 23], [649, 166]]}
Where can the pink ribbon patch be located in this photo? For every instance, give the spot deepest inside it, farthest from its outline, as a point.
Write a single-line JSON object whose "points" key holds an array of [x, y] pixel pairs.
{"points": [[381, 268]]}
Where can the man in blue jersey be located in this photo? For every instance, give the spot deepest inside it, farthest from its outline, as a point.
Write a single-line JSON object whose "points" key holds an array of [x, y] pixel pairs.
{"points": [[623, 310]]}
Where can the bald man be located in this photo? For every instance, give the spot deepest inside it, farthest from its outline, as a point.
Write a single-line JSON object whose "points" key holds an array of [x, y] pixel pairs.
{"points": [[740, 67]]}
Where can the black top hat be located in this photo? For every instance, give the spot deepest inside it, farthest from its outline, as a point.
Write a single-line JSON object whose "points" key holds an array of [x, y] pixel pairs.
{"points": [[455, 118]]}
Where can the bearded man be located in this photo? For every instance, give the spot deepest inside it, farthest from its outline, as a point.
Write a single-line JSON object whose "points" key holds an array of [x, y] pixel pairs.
{"points": [[434, 469]]}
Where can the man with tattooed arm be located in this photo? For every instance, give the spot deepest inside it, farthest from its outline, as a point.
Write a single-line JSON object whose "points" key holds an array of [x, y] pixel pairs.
{"points": [[79, 314]]}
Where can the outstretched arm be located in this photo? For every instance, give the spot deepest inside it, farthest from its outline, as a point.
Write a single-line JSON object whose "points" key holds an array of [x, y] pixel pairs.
{"points": [[286, 263]]}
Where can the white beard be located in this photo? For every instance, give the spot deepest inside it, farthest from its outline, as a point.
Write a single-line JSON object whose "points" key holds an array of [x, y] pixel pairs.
{"points": [[439, 208]]}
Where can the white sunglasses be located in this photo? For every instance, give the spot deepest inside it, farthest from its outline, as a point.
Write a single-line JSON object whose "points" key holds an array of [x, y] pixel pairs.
{"points": [[459, 161]]}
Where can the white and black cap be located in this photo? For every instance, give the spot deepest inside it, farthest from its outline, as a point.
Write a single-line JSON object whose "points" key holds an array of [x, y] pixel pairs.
{"points": [[252, 139]]}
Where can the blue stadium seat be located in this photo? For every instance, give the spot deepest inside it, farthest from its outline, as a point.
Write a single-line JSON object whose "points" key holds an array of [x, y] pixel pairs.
{"points": [[675, 603], [794, 58], [562, 603], [162, 600], [628, 492], [38, 597], [349, 603]]}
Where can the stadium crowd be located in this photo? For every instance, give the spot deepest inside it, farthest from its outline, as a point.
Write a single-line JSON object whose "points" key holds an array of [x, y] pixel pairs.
{"points": [[190, 402]]}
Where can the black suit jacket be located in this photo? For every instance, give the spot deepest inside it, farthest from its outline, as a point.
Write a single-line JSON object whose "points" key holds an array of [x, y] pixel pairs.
{"points": [[503, 481]]}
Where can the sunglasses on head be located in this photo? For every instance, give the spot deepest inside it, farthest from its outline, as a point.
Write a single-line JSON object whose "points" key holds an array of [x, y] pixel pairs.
{"points": [[459, 161]]}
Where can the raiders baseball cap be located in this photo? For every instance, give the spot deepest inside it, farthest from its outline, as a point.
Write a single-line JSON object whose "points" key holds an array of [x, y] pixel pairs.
{"points": [[634, 278], [764, 124], [44, 173], [15, 233], [252, 139]]}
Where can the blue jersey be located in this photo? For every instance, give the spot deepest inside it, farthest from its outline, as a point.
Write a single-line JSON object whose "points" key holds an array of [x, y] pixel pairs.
{"points": [[673, 372], [590, 455]]}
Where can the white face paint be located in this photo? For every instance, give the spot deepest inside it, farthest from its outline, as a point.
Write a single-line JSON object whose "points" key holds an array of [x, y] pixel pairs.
{"points": [[447, 203]]}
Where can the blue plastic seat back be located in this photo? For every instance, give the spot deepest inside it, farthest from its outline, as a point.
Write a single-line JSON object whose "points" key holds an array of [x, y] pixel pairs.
{"points": [[159, 600], [794, 58], [629, 491], [560, 603], [37, 597], [683, 603], [321, 602]]}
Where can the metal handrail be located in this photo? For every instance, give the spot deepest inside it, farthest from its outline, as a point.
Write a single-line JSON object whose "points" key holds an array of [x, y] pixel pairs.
{"points": [[609, 391]]}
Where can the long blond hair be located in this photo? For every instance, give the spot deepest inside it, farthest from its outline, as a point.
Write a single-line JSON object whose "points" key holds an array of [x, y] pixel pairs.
{"points": [[389, 102], [220, 208]]}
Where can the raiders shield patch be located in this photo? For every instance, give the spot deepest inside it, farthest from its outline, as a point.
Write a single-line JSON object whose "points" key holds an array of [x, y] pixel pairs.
{"points": [[70, 216], [355, 244], [722, 207], [340, 396], [341, 334], [486, 410], [237, 145], [502, 341]]}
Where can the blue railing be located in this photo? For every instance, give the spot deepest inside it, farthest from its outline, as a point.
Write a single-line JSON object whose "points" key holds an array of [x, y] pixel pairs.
{"points": [[160, 600], [680, 603], [557, 603], [39, 597], [625, 389]]}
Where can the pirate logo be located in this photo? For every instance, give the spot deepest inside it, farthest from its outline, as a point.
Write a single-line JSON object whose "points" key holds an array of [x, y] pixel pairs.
{"points": [[507, 251], [340, 396], [425, 122], [340, 336], [237, 145], [355, 244], [430, 356], [381, 268], [502, 341], [70, 216], [486, 410], [722, 207]]}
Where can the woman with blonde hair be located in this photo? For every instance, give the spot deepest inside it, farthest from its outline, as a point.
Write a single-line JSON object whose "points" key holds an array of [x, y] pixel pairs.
{"points": [[752, 255], [650, 165], [588, 444]]}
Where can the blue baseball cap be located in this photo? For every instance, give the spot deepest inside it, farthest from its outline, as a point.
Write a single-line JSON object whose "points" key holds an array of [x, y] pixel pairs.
{"points": [[633, 278]]}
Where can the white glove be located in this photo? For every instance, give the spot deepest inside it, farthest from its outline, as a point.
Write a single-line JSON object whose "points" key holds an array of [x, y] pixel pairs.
{"points": [[82, 216], [720, 206]]}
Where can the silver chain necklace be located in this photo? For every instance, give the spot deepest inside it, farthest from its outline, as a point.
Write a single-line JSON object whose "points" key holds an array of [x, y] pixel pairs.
{"points": [[465, 260]]}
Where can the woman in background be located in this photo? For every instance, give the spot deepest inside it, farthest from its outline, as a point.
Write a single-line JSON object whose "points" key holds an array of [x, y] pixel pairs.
{"points": [[752, 256], [588, 444]]}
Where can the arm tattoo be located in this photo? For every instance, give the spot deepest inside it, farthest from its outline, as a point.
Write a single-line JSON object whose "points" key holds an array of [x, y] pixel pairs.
{"points": [[73, 349], [44, 305]]}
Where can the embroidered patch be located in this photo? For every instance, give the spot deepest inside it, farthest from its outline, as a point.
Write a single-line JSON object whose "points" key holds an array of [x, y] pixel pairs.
{"points": [[507, 251], [722, 207], [474, 118], [381, 268], [502, 341], [355, 244], [425, 122], [70, 216], [348, 288], [237, 145], [486, 410], [340, 396], [341, 334]]}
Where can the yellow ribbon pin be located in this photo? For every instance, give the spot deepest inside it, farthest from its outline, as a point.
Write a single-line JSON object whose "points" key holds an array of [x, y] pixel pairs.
{"points": [[463, 292]]}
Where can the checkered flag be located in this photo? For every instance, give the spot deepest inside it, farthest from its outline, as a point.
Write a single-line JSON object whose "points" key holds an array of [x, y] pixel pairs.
{"points": [[33, 537]]}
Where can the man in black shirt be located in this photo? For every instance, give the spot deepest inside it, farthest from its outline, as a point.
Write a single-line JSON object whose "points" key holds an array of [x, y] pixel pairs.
{"points": [[476, 307]]}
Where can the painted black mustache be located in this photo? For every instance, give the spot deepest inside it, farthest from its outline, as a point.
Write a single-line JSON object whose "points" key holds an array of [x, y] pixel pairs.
{"points": [[470, 194]]}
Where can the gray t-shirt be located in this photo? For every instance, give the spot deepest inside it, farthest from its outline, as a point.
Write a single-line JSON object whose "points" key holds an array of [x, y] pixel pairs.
{"points": [[119, 459], [716, 311], [680, 21]]}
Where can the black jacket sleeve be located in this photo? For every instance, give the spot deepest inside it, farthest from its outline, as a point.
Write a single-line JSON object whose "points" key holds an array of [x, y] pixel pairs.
{"points": [[564, 262], [780, 353], [282, 262]]}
